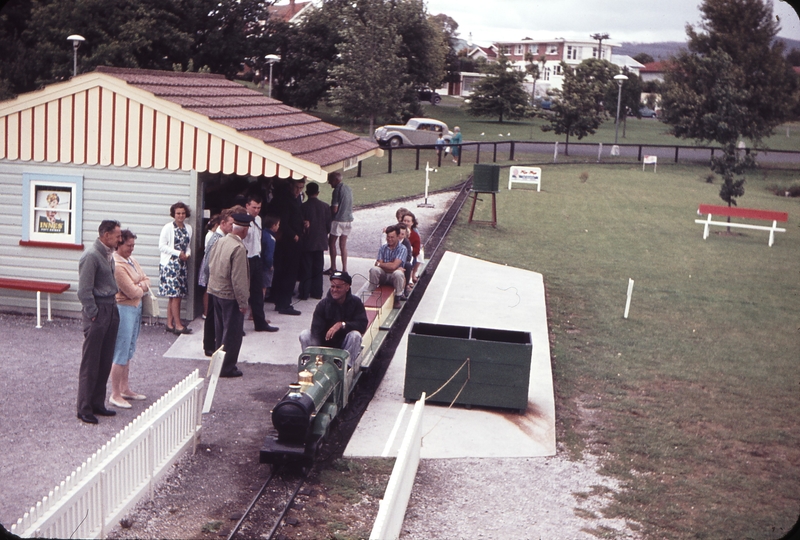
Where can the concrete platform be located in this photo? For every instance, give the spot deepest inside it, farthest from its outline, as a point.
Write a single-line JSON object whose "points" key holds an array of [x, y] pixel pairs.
{"points": [[281, 347], [469, 292]]}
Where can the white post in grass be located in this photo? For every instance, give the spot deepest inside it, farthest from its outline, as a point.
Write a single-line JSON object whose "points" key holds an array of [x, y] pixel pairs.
{"points": [[428, 170], [628, 302]]}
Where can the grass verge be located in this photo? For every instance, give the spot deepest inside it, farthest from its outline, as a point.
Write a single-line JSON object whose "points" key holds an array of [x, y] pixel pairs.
{"points": [[693, 399]]}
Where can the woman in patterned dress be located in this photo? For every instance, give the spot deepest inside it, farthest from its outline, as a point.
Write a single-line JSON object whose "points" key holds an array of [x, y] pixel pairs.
{"points": [[175, 247]]}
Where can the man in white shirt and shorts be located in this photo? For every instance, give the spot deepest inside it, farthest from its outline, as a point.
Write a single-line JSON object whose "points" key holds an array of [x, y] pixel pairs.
{"points": [[342, 211]]}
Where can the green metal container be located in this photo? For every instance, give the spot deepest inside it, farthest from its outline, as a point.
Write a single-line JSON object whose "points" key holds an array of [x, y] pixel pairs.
{"points": [[486, 178], [498, 370]]}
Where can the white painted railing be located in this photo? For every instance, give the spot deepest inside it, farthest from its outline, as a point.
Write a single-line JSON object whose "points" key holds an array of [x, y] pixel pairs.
{"points": [[108, 484], [393, 506]]}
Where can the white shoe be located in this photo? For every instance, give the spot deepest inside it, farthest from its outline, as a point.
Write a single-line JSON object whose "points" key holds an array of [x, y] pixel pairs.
{"points": [[119, 404]]}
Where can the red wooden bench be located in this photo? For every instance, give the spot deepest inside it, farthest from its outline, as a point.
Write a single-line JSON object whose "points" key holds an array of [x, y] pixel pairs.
{"points": [[746, 213], [50, 287]]}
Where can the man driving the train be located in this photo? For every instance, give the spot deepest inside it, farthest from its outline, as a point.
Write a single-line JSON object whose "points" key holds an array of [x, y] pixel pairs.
{"points": [[339, 319]]}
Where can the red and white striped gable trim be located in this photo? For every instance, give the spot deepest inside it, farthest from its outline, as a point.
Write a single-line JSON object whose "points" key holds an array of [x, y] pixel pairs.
{"points": [[96, 119]]}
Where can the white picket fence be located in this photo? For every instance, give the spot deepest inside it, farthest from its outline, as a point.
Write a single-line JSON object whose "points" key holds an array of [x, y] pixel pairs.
{"points": [[106, 486]]}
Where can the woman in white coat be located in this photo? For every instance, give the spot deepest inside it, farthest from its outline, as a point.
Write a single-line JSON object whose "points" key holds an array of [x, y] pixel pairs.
{"points": [[175, 247]]}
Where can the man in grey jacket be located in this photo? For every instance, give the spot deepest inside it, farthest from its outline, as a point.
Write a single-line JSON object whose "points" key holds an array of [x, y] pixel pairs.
{"points": [[96, 290], [229, 289]]}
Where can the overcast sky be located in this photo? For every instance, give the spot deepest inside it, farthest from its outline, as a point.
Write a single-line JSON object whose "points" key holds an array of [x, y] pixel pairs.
{"points": [[641, 21]]}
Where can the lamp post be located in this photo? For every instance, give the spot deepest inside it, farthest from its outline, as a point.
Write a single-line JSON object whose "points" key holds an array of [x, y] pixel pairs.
{"points": [[620, 79], [271, 59], [76, 42]]}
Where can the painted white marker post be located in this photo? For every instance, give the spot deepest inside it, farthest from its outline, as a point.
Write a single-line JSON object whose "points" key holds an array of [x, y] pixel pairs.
{"points": [[628, 302], [428, 170]]}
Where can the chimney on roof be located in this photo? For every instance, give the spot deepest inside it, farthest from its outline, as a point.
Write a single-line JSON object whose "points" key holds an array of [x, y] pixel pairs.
{"points": [[291, 3]]}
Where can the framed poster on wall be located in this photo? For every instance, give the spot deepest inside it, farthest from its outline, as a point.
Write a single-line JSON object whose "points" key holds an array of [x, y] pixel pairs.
{"points": [[51, 209]]}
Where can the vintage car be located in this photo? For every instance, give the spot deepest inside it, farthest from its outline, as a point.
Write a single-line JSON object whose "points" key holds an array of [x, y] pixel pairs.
{"points": [[417, 131]]}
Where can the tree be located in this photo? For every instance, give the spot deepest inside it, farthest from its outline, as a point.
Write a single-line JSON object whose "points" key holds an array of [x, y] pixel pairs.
{"points": [[644, 58], [578, 107], [309, 53], [366, 83], [449, 28], [732, 84], [500, 93], [423, 44], [793, 57], [122, 33], [533, 67]]}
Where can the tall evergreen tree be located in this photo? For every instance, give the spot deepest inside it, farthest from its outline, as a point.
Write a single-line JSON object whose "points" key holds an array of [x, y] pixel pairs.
{"points": [[732, 84]]}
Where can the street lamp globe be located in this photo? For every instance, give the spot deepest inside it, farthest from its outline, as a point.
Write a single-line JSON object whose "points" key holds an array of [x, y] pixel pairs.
{"points": [[271, 59], [76, 42]]}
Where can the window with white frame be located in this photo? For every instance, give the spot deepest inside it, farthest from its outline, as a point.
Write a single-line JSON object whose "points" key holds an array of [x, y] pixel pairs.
{"points": [[533, 48], [552, 49], [505, 49], [557, 70], [520, 49], [546, 74], [572, 52], [51, 211]]}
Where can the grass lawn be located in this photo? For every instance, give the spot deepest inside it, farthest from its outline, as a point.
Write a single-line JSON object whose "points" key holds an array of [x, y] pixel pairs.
{"points": [[634, 131], [693, 400]]}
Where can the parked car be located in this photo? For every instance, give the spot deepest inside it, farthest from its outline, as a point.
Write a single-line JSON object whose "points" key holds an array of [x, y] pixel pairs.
{"points": [[647, 112], [417, 131], [426, 94]]}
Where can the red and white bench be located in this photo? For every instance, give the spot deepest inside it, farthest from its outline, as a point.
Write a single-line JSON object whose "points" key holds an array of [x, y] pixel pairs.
{"points": [[50, 287], [746, 213]]}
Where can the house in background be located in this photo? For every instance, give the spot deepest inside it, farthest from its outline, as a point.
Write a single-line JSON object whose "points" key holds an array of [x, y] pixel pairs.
{"points": [[290, 13], [126, 144], [548, 54], [653, 71]]}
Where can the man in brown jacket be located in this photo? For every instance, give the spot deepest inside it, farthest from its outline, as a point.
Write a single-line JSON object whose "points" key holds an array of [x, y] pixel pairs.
{"points": [[229, 287]]}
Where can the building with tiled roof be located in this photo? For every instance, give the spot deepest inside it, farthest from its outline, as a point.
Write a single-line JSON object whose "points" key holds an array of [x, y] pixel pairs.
{"points": [[290, 12], [653, 71], [126, 144]]}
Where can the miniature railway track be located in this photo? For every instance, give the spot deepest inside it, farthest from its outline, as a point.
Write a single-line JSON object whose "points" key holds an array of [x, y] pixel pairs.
{"points": [[269, 507], [276, 497]]}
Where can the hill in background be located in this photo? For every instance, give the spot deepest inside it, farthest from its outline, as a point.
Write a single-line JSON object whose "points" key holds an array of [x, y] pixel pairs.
{"points": [[664, 49]]}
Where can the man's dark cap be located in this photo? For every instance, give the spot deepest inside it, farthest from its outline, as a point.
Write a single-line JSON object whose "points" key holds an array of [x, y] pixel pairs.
{"points": [[312, 188], [242, 219], [344, 276]]}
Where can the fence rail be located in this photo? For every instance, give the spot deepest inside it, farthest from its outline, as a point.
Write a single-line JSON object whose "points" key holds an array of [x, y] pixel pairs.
{"points": [[107, 485], [491, 151]]}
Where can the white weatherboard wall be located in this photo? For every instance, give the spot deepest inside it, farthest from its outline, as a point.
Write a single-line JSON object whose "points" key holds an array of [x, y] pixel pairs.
{"points": [[138, 198]]}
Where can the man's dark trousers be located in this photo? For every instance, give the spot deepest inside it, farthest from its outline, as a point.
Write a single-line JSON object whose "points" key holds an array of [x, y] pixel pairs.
{"points": [[311, 269], [257, 292], [287, 270], [209, 328], [100, 337], [229, 326]]}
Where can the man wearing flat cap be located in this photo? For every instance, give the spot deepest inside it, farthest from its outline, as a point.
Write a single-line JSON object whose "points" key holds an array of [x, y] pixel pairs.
{"points": [[339, 319], [229, 288]]}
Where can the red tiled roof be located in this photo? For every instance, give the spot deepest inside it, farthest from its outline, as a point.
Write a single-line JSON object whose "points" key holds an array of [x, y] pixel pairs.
{"points": [[249, 112], [655, 67], [286, 12]]}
